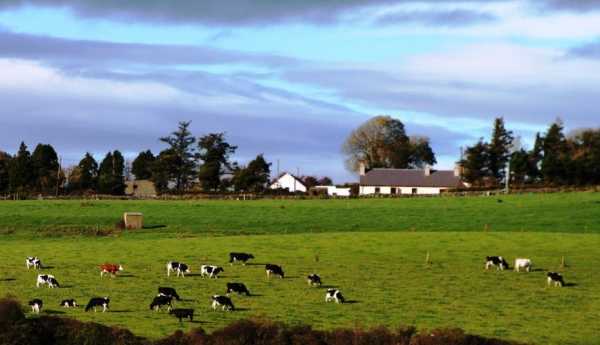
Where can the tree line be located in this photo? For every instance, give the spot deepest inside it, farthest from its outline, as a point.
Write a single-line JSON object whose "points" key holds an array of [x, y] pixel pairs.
{"points": [[185, 163], [555, 159]]}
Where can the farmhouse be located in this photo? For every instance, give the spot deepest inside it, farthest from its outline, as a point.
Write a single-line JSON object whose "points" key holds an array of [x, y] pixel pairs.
{"points": [[408, 181], [289, 182]]}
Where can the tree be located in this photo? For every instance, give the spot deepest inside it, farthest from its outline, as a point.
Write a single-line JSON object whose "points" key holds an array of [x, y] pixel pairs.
{"points": [[381, 142], [254, 177], [110, 174], [182, 156], [214, 152], [162, 170], [5, 159], [585, 156], [309, 181], [555, 155], [519, 166], [534, 159], [142, 165], [46, 174], [20, 171], [499, 150], [475, 164], [87, 173], [325, 181]]}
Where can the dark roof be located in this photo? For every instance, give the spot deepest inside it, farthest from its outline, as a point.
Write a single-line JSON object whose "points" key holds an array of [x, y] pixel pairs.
{"points": [[410, 178]]}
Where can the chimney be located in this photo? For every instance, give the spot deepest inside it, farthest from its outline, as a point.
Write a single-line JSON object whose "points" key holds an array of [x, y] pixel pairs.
{"points": [[362, 169], [458, 170], [427, 170]]}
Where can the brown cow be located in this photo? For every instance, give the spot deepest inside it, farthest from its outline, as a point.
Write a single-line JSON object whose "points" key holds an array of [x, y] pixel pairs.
{"points": [[110, 268]]}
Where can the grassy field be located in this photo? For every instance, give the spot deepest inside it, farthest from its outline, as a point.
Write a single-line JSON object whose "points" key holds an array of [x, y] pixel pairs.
{"points": [[380, 266]]}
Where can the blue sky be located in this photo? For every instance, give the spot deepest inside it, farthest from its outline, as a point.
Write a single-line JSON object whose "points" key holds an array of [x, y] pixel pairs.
{"points": [[291, 79]]}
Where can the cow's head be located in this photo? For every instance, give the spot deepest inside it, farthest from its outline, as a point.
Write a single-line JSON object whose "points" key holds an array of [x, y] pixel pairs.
{"points": [[250, 256]]}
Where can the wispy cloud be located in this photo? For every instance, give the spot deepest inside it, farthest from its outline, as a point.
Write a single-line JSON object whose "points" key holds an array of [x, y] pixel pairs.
{"points": [[444, 18]]}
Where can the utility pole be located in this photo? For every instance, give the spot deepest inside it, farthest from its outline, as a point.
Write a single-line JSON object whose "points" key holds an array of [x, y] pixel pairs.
{"points": [[58, 174]]}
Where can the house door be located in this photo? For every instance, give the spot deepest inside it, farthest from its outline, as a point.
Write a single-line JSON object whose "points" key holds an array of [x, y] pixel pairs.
{"points": [[414, 191], [393, 191]]}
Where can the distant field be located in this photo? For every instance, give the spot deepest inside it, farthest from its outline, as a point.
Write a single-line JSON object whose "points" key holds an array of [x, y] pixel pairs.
{"points": [[374, 250], [568, 212], [382, 273]]}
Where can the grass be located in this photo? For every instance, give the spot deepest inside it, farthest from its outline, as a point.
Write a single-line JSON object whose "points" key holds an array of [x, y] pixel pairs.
{"points": [[379, 266]]}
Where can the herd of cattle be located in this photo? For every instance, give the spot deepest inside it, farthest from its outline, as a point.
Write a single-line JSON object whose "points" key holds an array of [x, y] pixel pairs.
{"points": [[166, 295]]}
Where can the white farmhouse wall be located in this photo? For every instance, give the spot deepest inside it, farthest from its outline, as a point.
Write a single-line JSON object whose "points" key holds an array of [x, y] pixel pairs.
{"points": [[288, 181], [387, 190]]}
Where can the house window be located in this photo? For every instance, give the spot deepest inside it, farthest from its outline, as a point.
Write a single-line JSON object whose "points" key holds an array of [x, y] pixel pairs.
{"points": [[414, 191], [393, 190], [377, 190]]}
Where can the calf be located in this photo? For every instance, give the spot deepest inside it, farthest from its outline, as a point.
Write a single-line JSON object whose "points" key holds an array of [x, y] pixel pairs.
{"points": [[274, 270], [313, 279], [183, 313], [334, 295], [243, 257], [178, 267], [160, 301], [522, 263], [238, 288], [33, 261], [497, 261], [222, 301], [47, 279], [69, 303], [98, 302], [210, 271], [112, 269], [556, 278], [36, 305], [168, 291]]}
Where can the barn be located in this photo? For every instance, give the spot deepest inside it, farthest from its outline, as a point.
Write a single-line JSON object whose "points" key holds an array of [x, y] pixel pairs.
{"points": [[409, 181]]}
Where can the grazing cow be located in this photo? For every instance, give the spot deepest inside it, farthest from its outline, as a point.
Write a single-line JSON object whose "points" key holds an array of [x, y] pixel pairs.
{"points": [[168, 291], [160, 301], [274, 270], [69, 303], [110, 268], [47, 279], [556, 278], [33, 261], [178, 267], [98, 302], [222, 301], [183, 313], [211, 271], [243, 257], [313, 279], [522, 263], [36, 305], [238, 288], [334, 295], [497, 261]]}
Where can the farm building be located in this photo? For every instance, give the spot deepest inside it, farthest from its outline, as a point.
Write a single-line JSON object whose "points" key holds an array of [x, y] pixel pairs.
{"points": [[334, 190], [289, 182], [140, 189], [408, 181]]}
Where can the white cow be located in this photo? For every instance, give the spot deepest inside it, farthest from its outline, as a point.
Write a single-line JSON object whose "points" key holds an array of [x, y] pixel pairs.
{"points": [[522, 263]]}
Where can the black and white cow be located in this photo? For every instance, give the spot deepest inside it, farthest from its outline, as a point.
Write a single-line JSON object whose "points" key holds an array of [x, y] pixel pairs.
{"points": [[98, 302], [168, 291], [313, 280], [36, 305], [238, 288], [183, 314], [69, 303], [556, 278], [47, 279], [497, 261], [274, 270], [160, 301], [222, 301], [211, 271], [33, 261], [243, 257], [334, 295], [178, 267]]}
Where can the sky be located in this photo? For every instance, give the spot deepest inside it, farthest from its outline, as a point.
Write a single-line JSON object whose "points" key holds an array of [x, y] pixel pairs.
{"points": [[291, 79]]}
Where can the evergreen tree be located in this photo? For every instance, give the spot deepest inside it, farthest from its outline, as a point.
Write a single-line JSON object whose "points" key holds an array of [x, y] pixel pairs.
{"points": [[214, 153], [475, 164], [87, 170], [162, 170], [499, 151], [534, 159], [110, 174], [5, 159], [20, 171], [519, 167], [554, 162], [254, 177], [142, 165], [182, 156], [46, 174]]}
